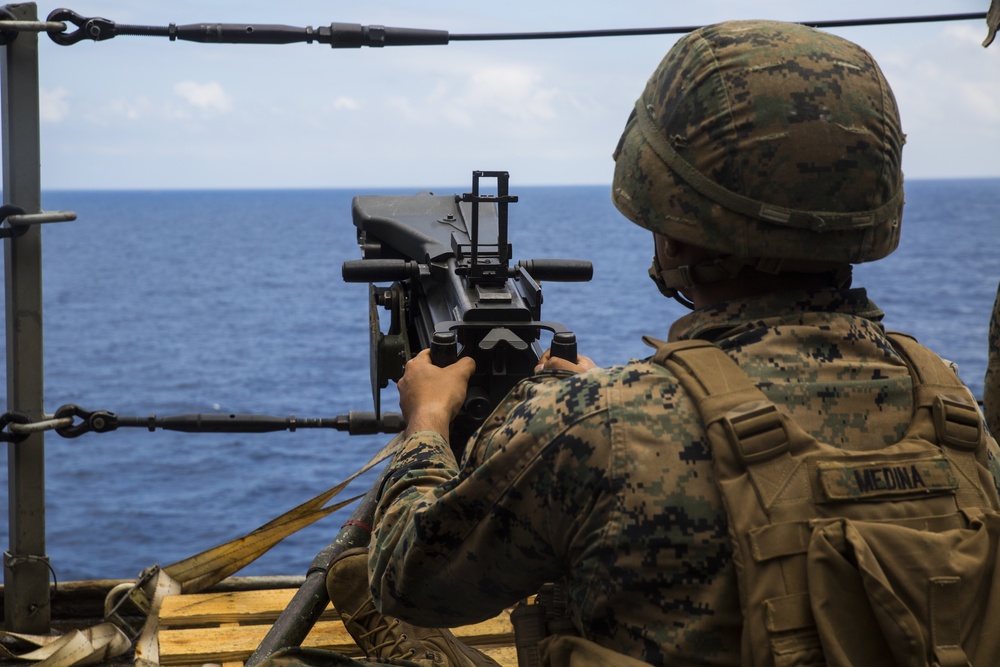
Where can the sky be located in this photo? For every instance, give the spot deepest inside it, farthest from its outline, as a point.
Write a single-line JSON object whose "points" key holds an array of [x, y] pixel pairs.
{"points": [[147, 113]]}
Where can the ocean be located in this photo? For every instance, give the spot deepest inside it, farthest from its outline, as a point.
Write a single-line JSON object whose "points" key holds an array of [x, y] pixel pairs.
{"points": [[232, 302]]}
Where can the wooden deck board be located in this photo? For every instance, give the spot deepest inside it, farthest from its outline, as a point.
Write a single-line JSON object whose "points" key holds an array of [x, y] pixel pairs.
{"points": [[225, 628], [231, 607], [231, 643]]}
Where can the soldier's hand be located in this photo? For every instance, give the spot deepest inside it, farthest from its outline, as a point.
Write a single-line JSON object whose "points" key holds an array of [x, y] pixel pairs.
{"points": [[549, 362], [429, 396]]}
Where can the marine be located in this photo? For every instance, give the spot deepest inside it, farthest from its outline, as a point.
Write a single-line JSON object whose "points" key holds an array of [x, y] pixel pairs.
{"points": [[765, 160]]}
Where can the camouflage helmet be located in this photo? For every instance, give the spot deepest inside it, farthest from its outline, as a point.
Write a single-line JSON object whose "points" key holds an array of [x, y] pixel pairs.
{"points": [[767, 141]]}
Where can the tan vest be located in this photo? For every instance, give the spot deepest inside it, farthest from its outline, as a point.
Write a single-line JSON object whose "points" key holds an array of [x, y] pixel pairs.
{"points": [[849, 558]]}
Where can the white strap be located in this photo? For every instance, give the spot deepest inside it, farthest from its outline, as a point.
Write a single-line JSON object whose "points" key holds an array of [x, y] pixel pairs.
{"points": [[147, 647], [91, 646]]}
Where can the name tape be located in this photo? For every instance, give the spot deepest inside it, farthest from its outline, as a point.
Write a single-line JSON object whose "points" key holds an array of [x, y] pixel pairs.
{"points": [[843, 480]]}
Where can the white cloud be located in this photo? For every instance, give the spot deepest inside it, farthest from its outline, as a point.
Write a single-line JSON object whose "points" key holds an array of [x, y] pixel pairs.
{"points": [[205, 96], [971, 35], [403, 108], [979, 96], [476, 95], [138, 109], [53, 105], [131, 109], [515, 91], [981, 99], [348, 103]]}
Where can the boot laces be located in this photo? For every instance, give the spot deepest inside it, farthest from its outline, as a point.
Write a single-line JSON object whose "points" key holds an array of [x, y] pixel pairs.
{"points": [[380, 641]]}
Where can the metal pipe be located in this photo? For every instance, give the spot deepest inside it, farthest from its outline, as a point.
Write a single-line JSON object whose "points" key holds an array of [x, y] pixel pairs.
{"points": [[26, 568], [32, 26], [46, 216], [308, 603]]}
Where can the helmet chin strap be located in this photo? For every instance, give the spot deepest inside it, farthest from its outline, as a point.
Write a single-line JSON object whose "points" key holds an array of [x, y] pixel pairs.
{"points": [[671, 281], [671, 292]]}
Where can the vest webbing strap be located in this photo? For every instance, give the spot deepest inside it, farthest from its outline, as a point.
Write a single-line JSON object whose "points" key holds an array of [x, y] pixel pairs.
{"points": [[791, 612], [946, 632], [956, 421], [750, 439], [757, 436]]}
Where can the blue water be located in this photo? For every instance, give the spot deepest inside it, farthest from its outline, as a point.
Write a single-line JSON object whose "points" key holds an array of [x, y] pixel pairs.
{"points": [[178, 302]]}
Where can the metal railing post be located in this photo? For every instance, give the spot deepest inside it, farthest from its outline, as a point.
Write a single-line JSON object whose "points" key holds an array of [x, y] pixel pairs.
{"points": [[26, 570]]}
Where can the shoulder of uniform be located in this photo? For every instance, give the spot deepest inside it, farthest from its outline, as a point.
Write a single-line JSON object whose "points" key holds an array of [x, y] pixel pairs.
{"points": [[593, 384]]}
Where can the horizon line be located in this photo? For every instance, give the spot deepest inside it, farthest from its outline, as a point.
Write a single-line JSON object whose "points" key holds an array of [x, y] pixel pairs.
{"points": [[383, 188]]}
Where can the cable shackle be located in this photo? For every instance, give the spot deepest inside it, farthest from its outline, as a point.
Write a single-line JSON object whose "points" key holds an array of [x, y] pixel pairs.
{"points": [[19, 426], [10, 211], [96, 28], [100, 421], [9, 419]]}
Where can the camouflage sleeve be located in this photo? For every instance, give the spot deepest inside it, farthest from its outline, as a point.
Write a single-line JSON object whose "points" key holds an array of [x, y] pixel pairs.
{"points": [[455, 546], [991, 384]]}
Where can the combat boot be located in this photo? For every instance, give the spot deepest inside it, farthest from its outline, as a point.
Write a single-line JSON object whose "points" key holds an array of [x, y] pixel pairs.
{"points": [[383, 637]]}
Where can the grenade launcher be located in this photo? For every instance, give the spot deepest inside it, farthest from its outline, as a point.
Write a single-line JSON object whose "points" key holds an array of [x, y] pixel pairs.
{"points": [[453, 290]]}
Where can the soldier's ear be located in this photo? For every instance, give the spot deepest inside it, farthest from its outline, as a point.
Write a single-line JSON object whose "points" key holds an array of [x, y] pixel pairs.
{"points": [[667, 247], [673, 247]]}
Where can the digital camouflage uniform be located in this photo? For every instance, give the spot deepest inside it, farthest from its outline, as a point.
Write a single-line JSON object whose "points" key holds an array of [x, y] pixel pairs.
{"points": [[991, 386], [606, 478], [778, 147]]}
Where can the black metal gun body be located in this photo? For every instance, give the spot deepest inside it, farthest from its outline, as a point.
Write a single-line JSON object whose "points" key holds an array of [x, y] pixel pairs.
{"points": [[454, 291]]}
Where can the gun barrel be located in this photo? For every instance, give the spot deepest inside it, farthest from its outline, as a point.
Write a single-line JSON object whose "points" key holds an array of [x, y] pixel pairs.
{"points": [[558, 270], [379, 270]]}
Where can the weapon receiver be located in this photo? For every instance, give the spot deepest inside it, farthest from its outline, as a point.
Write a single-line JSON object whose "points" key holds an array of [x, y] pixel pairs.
{"points": [[453, 291]]}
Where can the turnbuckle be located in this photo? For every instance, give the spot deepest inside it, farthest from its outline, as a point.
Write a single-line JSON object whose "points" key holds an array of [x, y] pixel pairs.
{"points": [[337, 35], [104, 421]]}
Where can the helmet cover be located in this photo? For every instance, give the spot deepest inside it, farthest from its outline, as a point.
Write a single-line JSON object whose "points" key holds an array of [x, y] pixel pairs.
{"points": [[766, 140]]}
